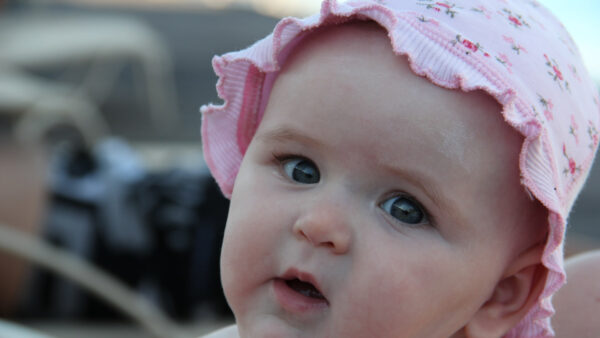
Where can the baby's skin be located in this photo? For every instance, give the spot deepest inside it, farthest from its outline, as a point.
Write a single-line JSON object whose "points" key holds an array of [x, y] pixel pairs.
{"points": [[578, 302], [372, 203]]}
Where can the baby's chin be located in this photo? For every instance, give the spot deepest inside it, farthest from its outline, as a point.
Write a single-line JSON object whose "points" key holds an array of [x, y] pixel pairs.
{"points": [[273, 327]]}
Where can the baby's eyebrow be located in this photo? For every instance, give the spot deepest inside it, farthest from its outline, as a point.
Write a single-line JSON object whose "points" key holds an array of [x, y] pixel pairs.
{"points": [[286, 134]]}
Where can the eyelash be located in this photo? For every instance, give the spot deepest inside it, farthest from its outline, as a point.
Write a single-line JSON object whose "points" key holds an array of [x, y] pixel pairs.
{"points": [[280, 159]]}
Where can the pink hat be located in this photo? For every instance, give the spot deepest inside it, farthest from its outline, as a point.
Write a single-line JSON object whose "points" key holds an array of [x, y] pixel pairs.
{"points": [[515, 50]]}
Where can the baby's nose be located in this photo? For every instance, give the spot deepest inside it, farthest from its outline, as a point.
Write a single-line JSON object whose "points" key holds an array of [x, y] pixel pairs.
{"points": [[325, 226]]}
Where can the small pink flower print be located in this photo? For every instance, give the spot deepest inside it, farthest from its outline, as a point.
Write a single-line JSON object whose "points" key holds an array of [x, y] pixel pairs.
{"points": [[548, 106], [515, 19], [503, 59], [574, 122], [536, 114], [513, 45], [519, 48], [572, 166], [423, 19], [593, 134], [439, 6], [555, 73], [470, 45], [573, 127], [482, 10], [508, 39], [486, 55]]}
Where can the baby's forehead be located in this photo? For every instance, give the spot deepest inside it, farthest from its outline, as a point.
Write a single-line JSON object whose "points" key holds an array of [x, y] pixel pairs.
{"points": [[339, 46], [356, 61]]}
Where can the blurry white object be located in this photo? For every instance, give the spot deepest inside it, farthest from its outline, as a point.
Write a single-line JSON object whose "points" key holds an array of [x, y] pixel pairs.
{"points": [[104, 44], [12, 330]]}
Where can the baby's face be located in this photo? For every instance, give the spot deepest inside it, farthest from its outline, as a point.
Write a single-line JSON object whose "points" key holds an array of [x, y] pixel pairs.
{"points": [[370, 202]]}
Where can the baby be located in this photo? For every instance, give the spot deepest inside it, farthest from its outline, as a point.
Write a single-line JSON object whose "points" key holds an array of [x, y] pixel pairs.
{"points": [[400, 169]]}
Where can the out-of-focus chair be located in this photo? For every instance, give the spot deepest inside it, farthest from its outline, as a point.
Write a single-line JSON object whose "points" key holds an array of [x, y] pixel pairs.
{"points": [[33, 106], [100, 46], [36, 107]]}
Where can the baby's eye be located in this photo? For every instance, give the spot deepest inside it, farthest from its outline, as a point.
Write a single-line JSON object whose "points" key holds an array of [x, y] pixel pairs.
{"points": [[301, 170], [404, 209]]}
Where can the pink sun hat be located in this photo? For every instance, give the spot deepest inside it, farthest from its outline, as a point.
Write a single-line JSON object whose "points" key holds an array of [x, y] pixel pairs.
{"points": [[516, 51]]}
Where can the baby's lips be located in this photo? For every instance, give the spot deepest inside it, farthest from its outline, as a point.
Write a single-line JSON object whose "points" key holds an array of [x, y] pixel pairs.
{"points": [[293, 273]]}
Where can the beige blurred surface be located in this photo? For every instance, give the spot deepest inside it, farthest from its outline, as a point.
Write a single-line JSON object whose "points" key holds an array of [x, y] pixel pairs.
{"points": [[22, 201]]}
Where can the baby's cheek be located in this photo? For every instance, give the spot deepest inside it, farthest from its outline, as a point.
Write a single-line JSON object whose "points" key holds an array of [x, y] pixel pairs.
{"points": [[379, 294], [416, 289], [382, 307]]}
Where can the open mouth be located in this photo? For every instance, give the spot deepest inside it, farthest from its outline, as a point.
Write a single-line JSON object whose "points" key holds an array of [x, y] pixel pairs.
{"points": [[304, 288], [299, 293]]}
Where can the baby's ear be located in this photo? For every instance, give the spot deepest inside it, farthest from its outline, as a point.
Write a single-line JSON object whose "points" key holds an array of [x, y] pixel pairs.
{"points": [[516, 292]]}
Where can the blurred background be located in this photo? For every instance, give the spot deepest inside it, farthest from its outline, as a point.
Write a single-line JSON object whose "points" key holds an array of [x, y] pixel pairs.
{"points": [[100, 161]]}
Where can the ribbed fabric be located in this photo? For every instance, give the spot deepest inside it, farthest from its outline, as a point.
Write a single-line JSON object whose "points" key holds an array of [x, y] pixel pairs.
{"points": [[514, 50]]}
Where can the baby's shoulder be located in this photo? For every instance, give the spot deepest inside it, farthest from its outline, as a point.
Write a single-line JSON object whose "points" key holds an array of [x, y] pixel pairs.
{"points": [[578, 302], [226, 332]]}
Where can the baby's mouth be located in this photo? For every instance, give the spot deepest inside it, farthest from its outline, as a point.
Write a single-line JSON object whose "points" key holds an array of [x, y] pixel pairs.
{"points": [[299, 293], [304, 288]]}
